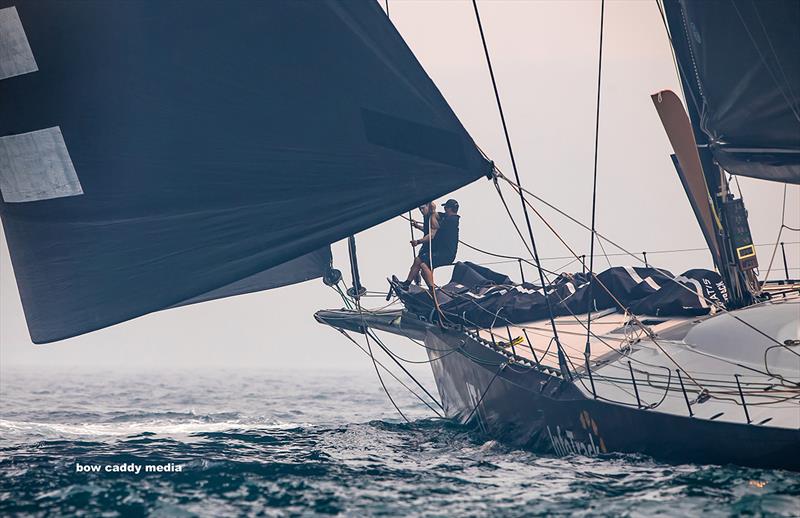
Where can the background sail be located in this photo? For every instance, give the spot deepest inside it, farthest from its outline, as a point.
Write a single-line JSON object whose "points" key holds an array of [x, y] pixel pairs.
{"points": [[739, 62], [157, 153]]}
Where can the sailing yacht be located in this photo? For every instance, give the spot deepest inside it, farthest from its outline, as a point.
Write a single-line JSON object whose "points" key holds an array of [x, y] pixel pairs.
{"points": [[701, 367], [153, 156]]}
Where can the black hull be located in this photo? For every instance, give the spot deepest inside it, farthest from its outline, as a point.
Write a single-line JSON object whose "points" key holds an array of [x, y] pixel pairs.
{"points": [[535, 410]]}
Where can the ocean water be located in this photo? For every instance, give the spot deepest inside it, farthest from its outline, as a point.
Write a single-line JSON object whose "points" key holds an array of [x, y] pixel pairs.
{"points": [[279, 444]]}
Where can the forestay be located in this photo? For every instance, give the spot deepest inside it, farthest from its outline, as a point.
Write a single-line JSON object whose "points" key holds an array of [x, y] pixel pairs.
{"points": [[159, 153]]}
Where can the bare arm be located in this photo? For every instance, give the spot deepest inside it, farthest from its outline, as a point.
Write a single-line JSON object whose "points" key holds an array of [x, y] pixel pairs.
{"points": [[434, 224]]}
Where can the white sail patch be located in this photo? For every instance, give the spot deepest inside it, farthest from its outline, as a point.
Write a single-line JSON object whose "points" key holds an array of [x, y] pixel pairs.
{"points": [[653, 284], [16, 57], [635, 276], [698, 289], [36, 166], [638, 279]]}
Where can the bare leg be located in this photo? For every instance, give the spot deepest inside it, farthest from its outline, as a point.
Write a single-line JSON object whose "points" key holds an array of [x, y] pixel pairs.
{"points": [[427, 274], [414, 269]]}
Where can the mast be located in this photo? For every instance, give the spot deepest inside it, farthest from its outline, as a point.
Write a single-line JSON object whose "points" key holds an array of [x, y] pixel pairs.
{"points": [[738, 66], [722, 219]]}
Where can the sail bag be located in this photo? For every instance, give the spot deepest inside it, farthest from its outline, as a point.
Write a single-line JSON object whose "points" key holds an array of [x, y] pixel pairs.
{"points": [[479, 297], [160, 152]]}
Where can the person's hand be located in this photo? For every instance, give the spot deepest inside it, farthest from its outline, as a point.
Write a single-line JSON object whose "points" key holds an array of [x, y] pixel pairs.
{"points": [[414, 242]]}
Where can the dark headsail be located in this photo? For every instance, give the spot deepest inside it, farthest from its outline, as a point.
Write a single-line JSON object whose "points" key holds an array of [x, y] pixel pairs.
{"points": [[739, 63], [159, 153]]}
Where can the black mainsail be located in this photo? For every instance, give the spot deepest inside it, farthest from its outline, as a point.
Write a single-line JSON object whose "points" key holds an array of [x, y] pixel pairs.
{"points": [[739, 65], [159, 153], [739, 62]]}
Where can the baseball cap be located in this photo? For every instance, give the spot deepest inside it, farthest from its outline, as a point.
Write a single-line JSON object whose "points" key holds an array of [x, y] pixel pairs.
{"points": [[451, 204]]}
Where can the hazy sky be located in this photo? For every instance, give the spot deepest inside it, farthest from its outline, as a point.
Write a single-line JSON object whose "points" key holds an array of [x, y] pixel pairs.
{"points": [[545, 59]]}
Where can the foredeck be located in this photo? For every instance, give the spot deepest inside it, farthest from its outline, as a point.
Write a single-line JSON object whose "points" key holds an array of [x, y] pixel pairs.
{"points": [[679, 365], [610, 331]]}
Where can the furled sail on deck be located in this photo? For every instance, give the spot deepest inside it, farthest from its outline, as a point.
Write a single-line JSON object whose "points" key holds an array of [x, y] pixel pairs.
{"points": [[739, 62], [478, 296], [158, 153]]}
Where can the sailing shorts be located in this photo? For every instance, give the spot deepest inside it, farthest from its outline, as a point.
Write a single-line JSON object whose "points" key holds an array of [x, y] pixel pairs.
{"points": [[438, 259]]}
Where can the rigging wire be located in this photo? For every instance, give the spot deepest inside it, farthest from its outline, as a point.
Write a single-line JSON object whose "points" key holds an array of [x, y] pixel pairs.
{"points": [[778, 242], [673, 280], [717, 394], [393, 375], [356, 290], [546, 223], [593, 229], [392, 356], [516, 172], [429, 361], [514, 259], [780, 231], [636, 320], [517, 187], [513, 221], [590, 301], [375, 364], [480, 400]]}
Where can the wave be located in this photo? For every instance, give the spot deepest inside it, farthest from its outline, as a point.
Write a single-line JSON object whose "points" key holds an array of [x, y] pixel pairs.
{"points": [[156, 426]]}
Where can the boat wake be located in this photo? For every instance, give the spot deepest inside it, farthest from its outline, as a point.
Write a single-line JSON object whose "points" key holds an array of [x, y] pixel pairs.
{"points": [[156, 424], [285, 450]]}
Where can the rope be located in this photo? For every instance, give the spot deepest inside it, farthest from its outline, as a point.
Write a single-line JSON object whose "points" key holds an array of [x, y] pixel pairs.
{"points": [[534, 253], [514, 167], [357, 301], [511, 217], [780, 231], [375, 364], [411, 227], [590, 300], [647, 331], [546, 223], [347, 335], [416, 362], [480, 400], [392, 356], [611, 379]]}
